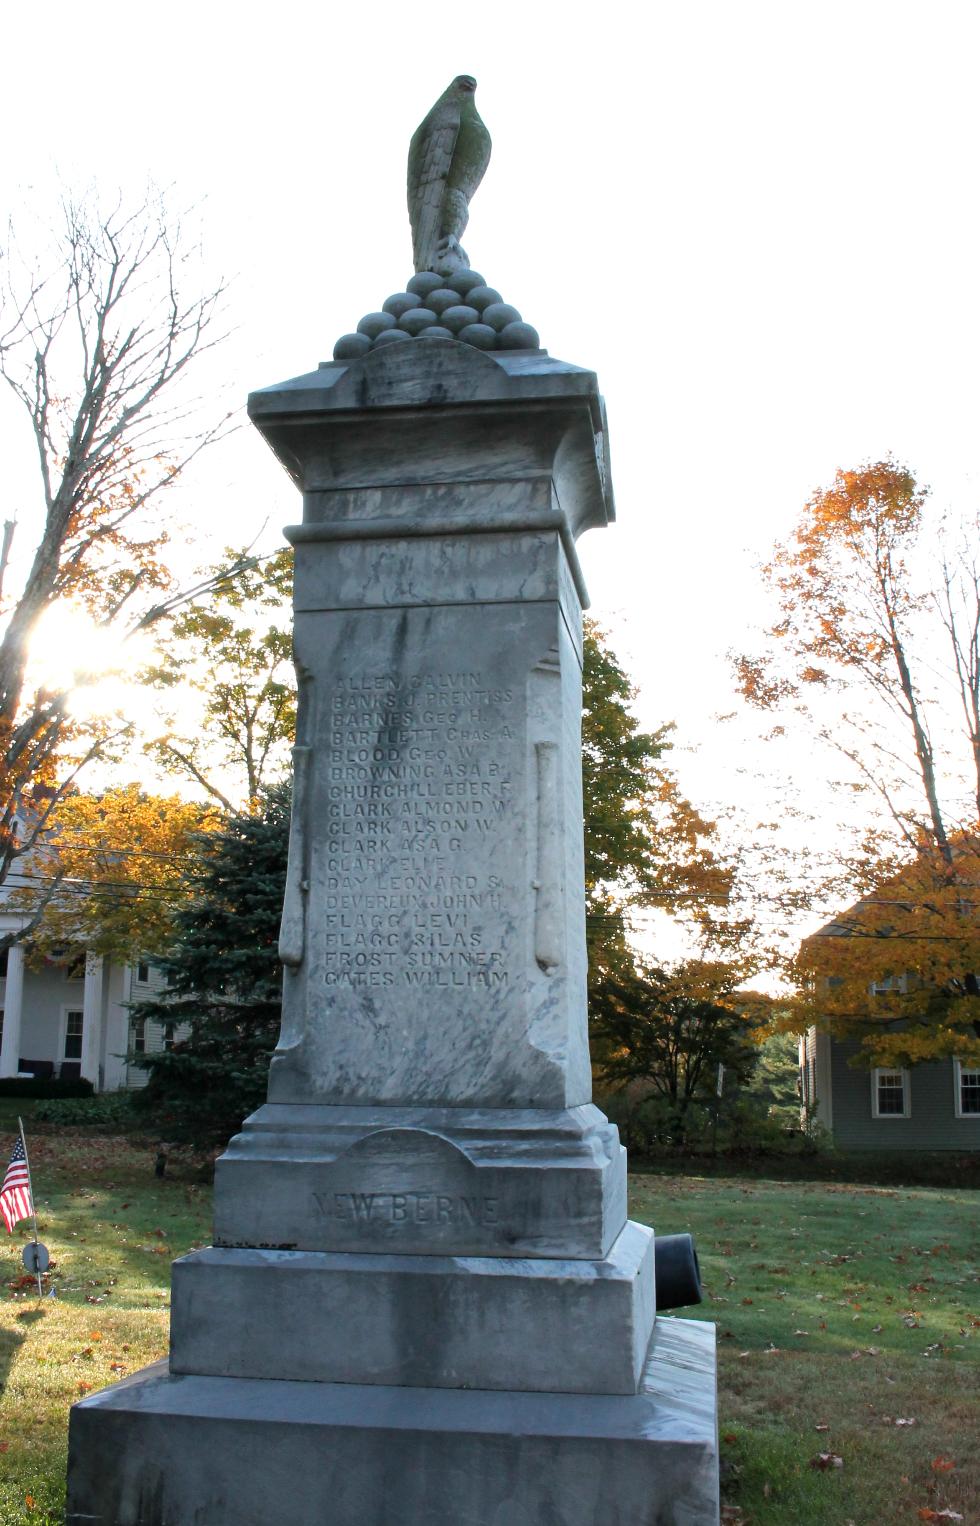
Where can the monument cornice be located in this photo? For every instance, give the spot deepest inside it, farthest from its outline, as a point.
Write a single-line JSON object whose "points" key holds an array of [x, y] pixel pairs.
{"points": [[459, 416]]}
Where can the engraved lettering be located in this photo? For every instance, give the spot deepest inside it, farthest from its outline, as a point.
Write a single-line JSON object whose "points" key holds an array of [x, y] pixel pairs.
{"points": [[410, 790], [426, 1208]]}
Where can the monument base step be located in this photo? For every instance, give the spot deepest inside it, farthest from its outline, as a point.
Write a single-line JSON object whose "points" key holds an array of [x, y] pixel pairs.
{"points": [[423, 1181], [160, 1450], [423, 1321]]}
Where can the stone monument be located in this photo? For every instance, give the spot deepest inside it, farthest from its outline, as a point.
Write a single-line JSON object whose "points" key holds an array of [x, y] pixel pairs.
{"points": [[424, 1302]]}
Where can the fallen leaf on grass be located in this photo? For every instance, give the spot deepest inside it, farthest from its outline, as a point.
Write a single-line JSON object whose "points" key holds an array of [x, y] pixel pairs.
{"points": [[821, 1427], [729, 1439], [29, 1502], [4, 1446], [943, 1464], [801, 1332], [925, 1514], [825, 1460], [910, 1421], [84, 1388]]}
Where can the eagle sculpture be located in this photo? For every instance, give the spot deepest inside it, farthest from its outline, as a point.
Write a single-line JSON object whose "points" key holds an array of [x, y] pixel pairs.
{"points": [[447, 159]]}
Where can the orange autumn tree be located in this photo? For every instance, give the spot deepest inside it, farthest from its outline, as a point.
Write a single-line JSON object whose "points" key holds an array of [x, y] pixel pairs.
{"points": [[894, 971], [112, 874], [876, 648], [96, 338], [646, 845], [659, 1021]]}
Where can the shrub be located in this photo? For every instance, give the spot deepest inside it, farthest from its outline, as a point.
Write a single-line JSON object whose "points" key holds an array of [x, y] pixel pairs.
{"points": [[111, 1111], [49, 1086]]}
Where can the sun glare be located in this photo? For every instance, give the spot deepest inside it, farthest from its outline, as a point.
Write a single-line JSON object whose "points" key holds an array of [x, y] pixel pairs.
{"points": [[69, 651]]}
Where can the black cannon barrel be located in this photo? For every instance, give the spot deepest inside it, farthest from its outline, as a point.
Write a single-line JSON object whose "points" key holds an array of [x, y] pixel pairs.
{"points": [[677, 1272]]}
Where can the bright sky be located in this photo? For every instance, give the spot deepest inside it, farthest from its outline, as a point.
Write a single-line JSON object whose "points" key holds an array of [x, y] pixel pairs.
{"points": [[757, 222]]}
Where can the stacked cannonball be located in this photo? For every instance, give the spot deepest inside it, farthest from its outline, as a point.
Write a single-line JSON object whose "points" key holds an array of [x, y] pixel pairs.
{"points": [[458, 305]]}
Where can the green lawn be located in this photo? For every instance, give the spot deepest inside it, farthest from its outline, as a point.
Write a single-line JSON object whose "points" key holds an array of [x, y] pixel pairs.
{"points": [[847, 1324], [880, 1279], [112, 1229]]}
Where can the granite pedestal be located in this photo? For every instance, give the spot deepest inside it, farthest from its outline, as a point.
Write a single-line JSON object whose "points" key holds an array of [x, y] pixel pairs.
{"points": [[424, 1302], [158, 1450]]}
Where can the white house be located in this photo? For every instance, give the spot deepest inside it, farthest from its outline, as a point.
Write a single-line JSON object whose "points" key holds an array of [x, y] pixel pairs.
{"points": [[71, 1019]]}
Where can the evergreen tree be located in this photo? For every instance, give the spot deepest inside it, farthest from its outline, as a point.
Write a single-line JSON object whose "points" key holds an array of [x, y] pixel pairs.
{"points": [[224, 980]]}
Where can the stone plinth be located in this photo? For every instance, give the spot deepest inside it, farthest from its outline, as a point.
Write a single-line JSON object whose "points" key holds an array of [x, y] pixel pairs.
{"points": [[157, 1450], [422, 1321]]}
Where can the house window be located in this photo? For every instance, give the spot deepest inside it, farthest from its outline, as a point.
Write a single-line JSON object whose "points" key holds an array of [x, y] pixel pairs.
{"points": [[73, 1035], [890, 1094], [967, 1078], [890, 985], [169, 1029], [138, 1038], [4, 959], [142, 973]]}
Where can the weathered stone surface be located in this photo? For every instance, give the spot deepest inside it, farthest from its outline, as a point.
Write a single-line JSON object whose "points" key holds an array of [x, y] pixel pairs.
{"points": [[546, 429], [332, 1178], [517, 336], [230, 1452], [480, 335], [424, 282], [482, 296], [401, 302], [499, 314], [464, 280], [442, 298], [457, 317], [374, 324], [351, 346], [416, 319], [419, 1321], [391, 336], [438, 881], [449, 153]]}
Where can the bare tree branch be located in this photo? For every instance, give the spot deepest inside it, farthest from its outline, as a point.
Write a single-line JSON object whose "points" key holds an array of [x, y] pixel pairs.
{"points": [[95, 347]]}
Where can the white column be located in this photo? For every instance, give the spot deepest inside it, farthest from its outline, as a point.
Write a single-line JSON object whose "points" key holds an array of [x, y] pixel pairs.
{"points": [[13, 1006], [92, 1018]]}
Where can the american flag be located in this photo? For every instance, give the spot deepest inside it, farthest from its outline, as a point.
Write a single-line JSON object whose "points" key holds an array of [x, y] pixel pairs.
{"points": [[15, 1194]]}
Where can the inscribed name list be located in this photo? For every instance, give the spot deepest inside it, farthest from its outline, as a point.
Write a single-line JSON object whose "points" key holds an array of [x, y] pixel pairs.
{"points": [[419, 795]]}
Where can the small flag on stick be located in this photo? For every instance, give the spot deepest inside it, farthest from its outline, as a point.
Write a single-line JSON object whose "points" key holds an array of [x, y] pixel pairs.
{"points": [[15, 1194]]}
